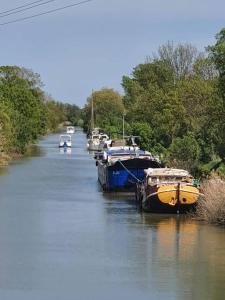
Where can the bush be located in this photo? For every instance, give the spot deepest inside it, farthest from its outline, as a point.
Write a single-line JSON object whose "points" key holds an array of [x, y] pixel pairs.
{"points": [[212, 207]]}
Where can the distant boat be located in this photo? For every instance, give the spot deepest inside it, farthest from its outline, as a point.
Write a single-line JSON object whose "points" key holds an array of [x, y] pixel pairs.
{"points": [[65, 140], [70, 129], [104, 142], [166, 190], [121, 168], [93, 142]]}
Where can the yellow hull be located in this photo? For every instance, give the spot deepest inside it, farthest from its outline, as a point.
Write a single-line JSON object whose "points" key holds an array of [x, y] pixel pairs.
{"points": [[172, 194]]}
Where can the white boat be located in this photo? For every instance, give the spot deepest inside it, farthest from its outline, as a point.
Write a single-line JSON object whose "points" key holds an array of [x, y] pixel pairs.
{"points": [[70, 129], [93, 142], [65, 140], [105, 142]]}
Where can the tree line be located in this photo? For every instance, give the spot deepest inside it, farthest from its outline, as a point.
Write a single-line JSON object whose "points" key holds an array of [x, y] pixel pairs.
{"points": [[175, 102], [26, 112]]}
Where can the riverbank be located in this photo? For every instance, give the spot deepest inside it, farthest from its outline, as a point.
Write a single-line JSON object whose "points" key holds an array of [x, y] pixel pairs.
{"points": [[6, 158]]}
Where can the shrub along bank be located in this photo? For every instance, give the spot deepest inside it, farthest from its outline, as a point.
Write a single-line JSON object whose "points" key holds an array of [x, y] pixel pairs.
{"points": [[211, 208]]}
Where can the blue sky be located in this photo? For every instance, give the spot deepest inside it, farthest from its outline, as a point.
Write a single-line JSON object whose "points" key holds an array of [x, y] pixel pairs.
{"points": [[93, 45]]}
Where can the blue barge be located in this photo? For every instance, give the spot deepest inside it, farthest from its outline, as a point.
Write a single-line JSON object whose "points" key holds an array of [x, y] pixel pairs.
{"points": [[121, 169]]}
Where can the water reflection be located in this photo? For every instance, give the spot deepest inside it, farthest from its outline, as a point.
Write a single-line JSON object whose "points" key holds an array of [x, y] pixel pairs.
{"points": [[59, 233], [3, 170], [34, 151], [172, 256], [65, 150]]}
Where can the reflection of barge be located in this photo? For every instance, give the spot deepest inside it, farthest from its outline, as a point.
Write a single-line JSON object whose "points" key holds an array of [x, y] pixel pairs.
{"points": [[121, 169], [168, 191]]}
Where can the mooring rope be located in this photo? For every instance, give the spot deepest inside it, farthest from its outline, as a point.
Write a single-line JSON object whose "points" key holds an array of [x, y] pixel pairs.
{"points": [[138, 180]]}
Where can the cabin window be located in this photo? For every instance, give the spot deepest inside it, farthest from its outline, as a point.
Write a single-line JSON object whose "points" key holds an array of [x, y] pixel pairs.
{"points": [[152, 180]]}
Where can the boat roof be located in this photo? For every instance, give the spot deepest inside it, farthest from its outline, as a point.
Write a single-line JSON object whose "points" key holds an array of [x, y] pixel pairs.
{"points": [[167, 172], [125, 151]]}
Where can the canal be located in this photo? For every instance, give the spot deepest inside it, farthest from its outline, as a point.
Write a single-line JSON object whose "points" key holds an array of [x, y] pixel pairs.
{"points": [[62, 238]]}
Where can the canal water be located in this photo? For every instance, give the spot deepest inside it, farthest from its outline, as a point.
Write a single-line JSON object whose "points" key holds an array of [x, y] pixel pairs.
{"points": [[62, 238]]}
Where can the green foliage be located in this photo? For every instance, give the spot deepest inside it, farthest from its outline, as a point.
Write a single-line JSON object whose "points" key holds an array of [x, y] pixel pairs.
{"points": [[26, 108], [55, 114], [205, 68], [184, 152], [145, 132], [176, 96], [217, 54], [221, 170], [108, 111], [5, 129], [212, 166], [156, 73], [72, 113]]}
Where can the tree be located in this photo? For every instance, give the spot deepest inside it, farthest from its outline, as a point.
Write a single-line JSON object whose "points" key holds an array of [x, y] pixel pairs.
{"points": [[72, 113], [108, 110], [180, 58], [25, 113], [217, 53], [205, 68], [6, 129], [184, 153]]}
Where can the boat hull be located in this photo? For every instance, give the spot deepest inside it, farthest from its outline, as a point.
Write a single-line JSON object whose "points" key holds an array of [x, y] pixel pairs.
{"points": [[181, 198], [65, 145], [123, 177]]}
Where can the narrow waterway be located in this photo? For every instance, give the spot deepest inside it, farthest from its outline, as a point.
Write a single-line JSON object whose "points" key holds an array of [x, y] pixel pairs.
{"points": [[61, 238]]}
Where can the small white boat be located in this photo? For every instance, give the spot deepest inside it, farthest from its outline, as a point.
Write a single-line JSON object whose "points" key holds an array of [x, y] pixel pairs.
{"points": [[70, 129], [104, 142], [93, 142], [65, 141]]}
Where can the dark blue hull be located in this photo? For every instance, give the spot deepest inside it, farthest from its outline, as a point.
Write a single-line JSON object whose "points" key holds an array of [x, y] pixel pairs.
{"points": [[123, 177]]}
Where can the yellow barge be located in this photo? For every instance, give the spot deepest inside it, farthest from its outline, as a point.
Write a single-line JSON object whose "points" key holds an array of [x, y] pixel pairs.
{"points": [[166, 190]]}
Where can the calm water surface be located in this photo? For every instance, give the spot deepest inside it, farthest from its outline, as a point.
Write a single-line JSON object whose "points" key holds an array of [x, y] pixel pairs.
{"points": [[61, 238]]}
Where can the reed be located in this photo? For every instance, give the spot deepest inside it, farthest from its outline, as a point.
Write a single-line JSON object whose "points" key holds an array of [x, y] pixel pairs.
{"points": [[211, 208]]}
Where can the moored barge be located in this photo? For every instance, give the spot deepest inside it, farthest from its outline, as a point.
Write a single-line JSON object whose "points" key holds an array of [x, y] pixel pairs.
{"points": [[166, 190], [121, 169]]}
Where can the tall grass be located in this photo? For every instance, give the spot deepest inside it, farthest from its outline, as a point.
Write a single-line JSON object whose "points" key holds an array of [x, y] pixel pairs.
{"points": [[211, 208]]}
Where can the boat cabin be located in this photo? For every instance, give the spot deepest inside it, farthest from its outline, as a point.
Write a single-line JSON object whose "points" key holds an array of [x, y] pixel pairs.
{"points": [[167, 175], [65, 140]]}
